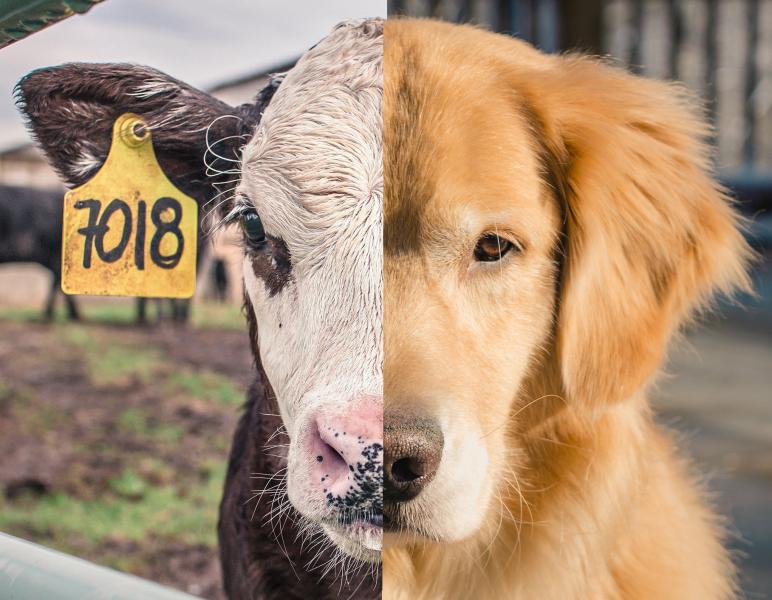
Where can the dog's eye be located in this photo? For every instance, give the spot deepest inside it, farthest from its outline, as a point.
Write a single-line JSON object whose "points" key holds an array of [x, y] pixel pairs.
{"points": [[491, 247], [252, 227]]}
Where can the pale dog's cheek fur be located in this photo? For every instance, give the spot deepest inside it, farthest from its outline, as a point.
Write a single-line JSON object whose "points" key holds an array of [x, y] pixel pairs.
{"points": [[453, 511], [478, 459]]}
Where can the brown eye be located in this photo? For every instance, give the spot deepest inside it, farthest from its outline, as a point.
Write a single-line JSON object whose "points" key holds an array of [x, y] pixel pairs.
{"points": [[491, 248]]}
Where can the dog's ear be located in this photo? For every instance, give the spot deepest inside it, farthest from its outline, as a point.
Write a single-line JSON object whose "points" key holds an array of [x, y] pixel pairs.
{"points": [[650, 236], [71, 109]]}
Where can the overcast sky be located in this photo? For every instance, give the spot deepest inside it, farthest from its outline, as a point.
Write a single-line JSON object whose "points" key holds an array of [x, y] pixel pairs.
{"points": [[203, 42]]}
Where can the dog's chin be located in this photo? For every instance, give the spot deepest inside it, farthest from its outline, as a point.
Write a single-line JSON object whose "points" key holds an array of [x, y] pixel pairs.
{"points": [[360, 540], [424, 521], [397, 535], [427, 532]]}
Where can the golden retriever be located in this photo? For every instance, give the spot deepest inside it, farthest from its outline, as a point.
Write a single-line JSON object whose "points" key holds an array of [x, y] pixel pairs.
{"points": [[549, 223]]}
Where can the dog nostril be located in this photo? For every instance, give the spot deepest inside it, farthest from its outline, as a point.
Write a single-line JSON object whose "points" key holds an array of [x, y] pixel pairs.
{"points": [[413, 451], [406, 470]]}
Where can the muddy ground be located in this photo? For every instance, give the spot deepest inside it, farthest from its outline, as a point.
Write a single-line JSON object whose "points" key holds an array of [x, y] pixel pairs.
{"points": [[114, 440]]}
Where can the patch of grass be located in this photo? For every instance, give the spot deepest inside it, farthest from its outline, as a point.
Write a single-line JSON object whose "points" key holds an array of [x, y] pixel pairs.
{"points": [[205, 314], [155, 471], [212, 315], [25, 314], [99, 311], [160, 512], [108, 361], [6, 391], [133, 420], [17, 401], [112, 312], [117, 364], [37, 422], [206, 385], [136, 436], [136, 422], [129, 484]]}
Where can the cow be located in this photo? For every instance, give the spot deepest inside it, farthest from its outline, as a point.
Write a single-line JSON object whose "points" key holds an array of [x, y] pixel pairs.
{"points": [[302, 511], [31, 231]]}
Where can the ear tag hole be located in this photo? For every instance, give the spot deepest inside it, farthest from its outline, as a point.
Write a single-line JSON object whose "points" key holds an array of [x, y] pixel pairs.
{"points": [[134, 131]]}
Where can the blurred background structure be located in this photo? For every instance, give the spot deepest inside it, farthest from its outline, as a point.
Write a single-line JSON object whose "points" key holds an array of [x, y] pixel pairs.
{"points": [[114, 436], [717, 391], [721, 49]]}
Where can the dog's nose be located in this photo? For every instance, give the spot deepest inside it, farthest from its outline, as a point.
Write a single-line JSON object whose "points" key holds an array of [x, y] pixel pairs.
{"points": [[412, 454], [346, 451]]}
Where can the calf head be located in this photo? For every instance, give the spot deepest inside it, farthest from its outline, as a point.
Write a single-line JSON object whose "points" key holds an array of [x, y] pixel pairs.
{"points": [[310, 200], [302, 170]]}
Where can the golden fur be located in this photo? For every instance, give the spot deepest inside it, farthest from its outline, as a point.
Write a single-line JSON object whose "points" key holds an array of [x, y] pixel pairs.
{"points": [[604, 180]]}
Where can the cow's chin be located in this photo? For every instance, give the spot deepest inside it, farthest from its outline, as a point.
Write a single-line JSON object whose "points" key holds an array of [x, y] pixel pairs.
{"points": [[361, 541]]}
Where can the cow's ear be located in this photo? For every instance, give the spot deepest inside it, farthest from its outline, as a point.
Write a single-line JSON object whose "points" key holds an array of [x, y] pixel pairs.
{"points": [[70, 110]]}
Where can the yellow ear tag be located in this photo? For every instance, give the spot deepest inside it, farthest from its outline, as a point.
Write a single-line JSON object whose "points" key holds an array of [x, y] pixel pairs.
{"points": [[128, 231]]}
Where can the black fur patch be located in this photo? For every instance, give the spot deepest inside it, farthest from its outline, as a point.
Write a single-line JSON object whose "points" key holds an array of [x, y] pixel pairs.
{"points": [[272, 264]]}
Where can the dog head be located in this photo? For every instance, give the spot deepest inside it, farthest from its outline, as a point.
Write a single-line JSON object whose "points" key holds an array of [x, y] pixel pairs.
{"points": [[549, 223]]}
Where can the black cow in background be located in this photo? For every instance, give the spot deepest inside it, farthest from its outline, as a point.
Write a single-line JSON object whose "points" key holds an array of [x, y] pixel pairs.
{"points": [[176, 310], [31, 231]]}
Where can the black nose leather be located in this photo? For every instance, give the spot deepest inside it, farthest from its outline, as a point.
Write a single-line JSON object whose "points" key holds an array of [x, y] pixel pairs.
{"points": [[413, 450]]}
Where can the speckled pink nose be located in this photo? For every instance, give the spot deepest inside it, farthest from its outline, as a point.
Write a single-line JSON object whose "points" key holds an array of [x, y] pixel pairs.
{"points": [[347, 455]]}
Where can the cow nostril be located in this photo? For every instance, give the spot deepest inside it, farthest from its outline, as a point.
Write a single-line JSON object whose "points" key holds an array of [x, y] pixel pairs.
{"points": [[331, 454], [406, 470], [345, 452]]}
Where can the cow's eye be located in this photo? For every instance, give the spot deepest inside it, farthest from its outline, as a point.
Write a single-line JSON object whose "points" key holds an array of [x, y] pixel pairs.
{"points": [[252, 227], [491, 247]]}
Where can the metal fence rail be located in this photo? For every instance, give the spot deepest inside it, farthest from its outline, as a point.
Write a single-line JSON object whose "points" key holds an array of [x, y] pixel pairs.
{"points": [[32, 572]]}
